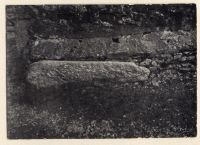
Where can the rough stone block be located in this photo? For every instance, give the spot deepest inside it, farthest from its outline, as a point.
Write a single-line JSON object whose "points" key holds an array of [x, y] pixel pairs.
{"points": [[107, 48], [45, 74]]}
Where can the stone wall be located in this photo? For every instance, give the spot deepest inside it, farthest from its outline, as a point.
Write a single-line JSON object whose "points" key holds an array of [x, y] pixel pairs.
{"points": [[18, 22], [100, 58]]}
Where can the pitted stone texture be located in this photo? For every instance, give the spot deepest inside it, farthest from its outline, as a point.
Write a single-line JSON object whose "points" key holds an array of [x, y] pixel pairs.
{"points": [[55, 73], [112, 48]]}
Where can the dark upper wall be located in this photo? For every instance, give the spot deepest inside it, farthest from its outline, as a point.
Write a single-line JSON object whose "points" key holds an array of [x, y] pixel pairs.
{"points": [[108, 20], [137, 15]]}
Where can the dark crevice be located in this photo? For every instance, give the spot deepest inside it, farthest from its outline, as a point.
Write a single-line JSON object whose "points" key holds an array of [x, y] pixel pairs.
{"points": [[116, 40]]}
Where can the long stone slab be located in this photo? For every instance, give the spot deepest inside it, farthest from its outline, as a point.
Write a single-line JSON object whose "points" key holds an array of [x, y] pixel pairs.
{"points": [[112, 48], [44, 74]]}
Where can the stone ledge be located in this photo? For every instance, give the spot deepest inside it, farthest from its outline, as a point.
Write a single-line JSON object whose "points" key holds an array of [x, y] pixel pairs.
{"points": [[154, 43]]}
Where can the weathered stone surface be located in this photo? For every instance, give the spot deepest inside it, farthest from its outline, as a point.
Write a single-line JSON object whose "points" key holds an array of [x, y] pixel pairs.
{"points": [[55, 73], [112, 48], [48, 29]]}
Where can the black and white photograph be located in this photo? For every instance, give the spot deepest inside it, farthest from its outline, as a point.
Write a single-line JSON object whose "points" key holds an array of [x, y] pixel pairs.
{"points": [[94, 71]]}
